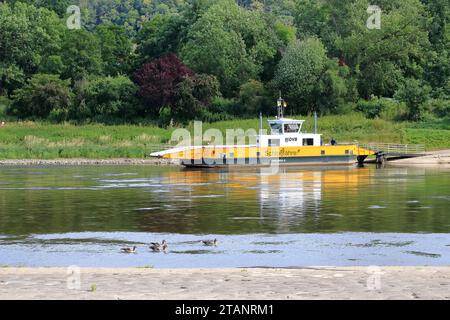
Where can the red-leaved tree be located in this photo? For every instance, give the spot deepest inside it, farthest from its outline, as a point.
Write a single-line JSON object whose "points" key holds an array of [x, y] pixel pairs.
{"points": [[158, 80]]}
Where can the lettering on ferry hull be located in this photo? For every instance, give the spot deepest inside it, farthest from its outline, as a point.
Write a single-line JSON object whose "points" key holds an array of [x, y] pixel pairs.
{"points": [[282, 153]]}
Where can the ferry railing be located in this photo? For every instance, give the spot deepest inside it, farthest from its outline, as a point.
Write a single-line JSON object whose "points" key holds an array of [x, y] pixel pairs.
{"points": [[395, 149]]}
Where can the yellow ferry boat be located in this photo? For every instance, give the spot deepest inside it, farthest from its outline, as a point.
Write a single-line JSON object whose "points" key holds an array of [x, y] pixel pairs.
{"points": [[285, 145]]}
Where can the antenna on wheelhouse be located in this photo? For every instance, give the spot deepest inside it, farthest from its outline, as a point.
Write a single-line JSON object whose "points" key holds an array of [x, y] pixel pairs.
{"points": [[260, 123], [281, 105]]}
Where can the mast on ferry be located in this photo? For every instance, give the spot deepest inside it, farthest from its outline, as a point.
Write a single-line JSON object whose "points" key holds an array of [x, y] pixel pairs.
{"points": [[281, 105]]}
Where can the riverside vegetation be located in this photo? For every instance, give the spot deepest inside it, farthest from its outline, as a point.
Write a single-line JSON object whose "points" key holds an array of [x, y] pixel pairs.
{"points": [[39, 140]]}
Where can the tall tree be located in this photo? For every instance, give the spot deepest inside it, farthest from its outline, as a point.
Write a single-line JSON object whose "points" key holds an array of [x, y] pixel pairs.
{"points": [[437, 65], [231, 43], [308, 78], [381, 58], [378, 58], [28, 36], [81, 55], [158, 80], [160, 35], [116, 49]]}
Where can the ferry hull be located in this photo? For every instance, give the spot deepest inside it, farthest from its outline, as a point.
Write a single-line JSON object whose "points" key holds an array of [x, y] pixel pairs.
{"points": [[253, 156], [264, 162]]}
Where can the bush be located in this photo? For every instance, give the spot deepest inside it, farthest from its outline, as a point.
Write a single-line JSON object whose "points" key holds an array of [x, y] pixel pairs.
{"points": [[105, 98], [224, 106], [44, 94], [58, 115], [345, 108], [194, 95], [252, 98], [393, 110], [4, 104], [165, 116], [414, 94], [387, 109], [439, 107], [371, 108], [210, 117]]}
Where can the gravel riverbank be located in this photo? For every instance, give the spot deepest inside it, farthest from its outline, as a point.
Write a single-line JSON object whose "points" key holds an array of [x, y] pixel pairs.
{"points": [[81, 162]]}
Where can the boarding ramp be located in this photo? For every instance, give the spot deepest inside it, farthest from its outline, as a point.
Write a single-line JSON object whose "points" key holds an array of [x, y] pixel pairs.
{"points": [[390, 151]]}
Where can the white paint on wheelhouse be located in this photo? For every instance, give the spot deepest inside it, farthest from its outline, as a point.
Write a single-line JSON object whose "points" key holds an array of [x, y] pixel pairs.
{"points": [[288, 133]]}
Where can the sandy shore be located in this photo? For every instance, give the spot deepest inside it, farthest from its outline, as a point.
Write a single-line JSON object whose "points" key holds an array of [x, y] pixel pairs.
{"points": [[439, 158], [278, 284]]}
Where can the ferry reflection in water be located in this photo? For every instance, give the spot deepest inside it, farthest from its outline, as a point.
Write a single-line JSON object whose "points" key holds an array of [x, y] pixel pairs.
{"points": [[291, 197], [280, 202]]}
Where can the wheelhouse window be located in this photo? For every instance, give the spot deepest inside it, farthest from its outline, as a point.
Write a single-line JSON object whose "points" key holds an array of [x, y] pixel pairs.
{"points": [[276, 128], [274, 142], [291, 128], [308, 142]]}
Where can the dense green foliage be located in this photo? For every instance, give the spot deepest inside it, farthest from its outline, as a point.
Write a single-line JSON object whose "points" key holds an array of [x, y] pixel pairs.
{"points": [[101, 98], [170, 61], [310, 79], [43, 96]]}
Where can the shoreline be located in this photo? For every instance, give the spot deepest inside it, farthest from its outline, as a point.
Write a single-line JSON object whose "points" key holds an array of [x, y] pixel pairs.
{"points": [[372, 283], [439, 158], [87, 162]]}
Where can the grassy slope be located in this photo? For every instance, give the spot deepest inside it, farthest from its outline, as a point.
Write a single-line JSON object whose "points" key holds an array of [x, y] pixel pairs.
{"points": [[44, 141], [29, 140]]}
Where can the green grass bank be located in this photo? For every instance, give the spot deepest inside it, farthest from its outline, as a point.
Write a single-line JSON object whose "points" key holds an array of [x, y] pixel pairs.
{"points": [[38, 140]]}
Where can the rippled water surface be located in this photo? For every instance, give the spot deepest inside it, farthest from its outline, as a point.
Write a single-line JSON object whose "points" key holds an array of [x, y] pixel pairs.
{"points": [[59, 216]]}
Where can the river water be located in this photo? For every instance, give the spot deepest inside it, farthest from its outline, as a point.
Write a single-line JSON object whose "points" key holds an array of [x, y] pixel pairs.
{"points": [[61, 216]]}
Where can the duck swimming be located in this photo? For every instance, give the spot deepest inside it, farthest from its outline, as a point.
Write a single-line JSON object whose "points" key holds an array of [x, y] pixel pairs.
{"points": [[210, 243], [129, 250], [158, 247]]}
